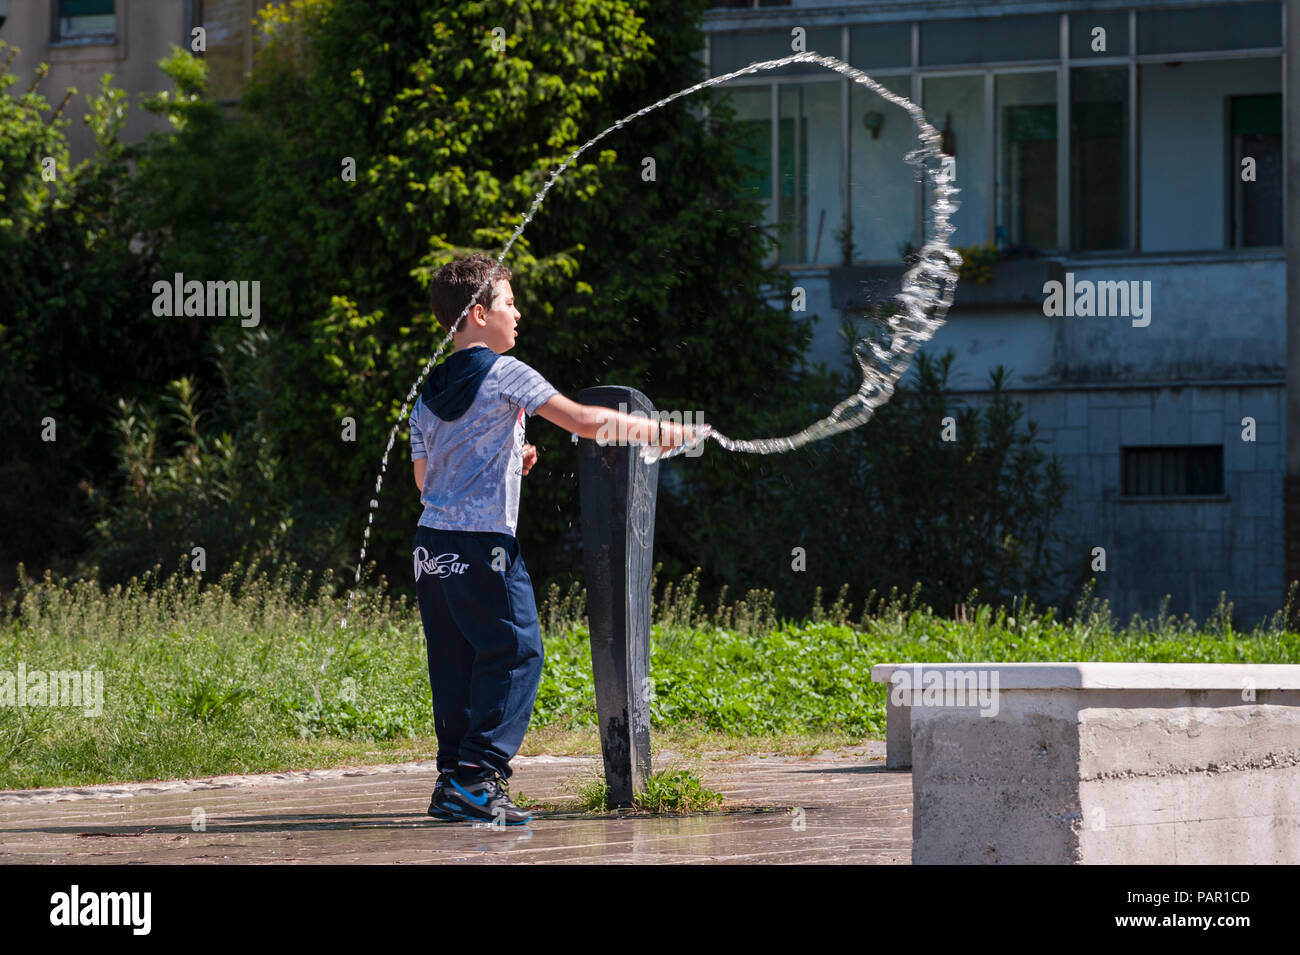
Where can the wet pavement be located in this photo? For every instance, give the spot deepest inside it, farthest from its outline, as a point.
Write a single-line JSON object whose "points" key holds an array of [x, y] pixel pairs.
{"points": [[840, 806]]}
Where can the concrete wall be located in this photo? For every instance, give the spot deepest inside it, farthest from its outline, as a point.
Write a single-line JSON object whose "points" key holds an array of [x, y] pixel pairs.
{"points": [[1190, 549], [1212, 317], [1210, 356], [1190, 778], [146, 29], [1099, 776]]}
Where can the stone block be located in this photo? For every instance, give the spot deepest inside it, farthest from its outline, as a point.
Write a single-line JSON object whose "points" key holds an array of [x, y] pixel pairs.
{"points": [[1076, 409], [1207, 428], [1135, 426], [1103, 763], [1171, 422], [1103, 431], [1238, 455]]}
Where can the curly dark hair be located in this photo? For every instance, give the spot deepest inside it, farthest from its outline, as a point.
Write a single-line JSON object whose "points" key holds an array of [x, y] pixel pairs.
{"points": [[453, 285]]}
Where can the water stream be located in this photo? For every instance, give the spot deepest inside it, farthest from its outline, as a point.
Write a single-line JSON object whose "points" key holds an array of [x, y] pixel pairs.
{"points": [[923, 299]]}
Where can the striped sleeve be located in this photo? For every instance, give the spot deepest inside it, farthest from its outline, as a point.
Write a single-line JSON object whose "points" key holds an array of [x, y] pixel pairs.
{"points": [[417, 434], [522, 386]]}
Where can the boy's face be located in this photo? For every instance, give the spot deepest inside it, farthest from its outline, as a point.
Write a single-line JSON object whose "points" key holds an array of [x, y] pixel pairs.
{"points": [[495, 327]]}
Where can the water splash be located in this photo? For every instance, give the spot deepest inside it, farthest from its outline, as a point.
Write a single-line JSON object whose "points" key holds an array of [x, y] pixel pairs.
{"points": [[924, 299]]}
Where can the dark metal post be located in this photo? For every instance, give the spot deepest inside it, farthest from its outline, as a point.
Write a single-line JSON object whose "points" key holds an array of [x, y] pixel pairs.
{"points": [[618, 492], [1291, 238]]}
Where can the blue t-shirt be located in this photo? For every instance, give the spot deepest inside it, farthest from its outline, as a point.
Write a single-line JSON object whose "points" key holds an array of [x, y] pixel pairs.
{"points": [[469, 423]]}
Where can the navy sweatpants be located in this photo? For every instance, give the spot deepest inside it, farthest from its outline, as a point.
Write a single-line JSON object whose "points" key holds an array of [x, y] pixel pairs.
{"points": [[484, 643]]}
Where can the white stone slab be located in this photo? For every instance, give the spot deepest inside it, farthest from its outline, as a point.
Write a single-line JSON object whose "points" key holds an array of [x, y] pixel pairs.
{"points": [[1117, 676]]}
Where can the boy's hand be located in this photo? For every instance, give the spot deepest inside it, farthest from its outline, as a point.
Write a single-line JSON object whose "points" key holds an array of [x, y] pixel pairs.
{"points": [[671, 435], [530, 457]]}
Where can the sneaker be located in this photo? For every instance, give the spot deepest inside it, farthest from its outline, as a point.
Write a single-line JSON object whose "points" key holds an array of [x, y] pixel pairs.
{"points": [[484, 800], [439, 790]]}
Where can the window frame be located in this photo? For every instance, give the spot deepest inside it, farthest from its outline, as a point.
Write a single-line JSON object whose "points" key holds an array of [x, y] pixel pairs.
{"points": [[1128, 454], [1063, 62], [101, 38]]}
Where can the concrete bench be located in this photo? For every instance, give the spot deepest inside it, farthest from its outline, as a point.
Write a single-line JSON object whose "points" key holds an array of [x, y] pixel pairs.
{"points": [[1164, 763]]}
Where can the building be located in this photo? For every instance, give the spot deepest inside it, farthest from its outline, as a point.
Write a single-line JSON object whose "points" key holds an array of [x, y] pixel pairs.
{"points": [[83, 39], [1101, 142]]}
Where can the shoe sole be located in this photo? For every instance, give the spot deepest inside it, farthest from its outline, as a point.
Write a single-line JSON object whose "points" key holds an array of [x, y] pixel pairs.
{"points": [[436, 811], [465, 816]]}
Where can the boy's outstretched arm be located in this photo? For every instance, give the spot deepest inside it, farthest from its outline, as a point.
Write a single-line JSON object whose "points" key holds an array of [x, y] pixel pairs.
{"points": [[591, 421]]}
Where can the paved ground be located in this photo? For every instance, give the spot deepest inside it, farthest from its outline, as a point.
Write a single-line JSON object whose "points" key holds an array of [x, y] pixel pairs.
{"points": [[853, 810]]}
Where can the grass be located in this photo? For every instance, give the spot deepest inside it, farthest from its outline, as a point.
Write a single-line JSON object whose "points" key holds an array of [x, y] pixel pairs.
{"points": [[252, 672], [667, 791]]}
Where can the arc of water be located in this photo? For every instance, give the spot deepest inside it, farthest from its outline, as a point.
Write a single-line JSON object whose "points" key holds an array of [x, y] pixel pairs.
{"points": [[924, 299]]}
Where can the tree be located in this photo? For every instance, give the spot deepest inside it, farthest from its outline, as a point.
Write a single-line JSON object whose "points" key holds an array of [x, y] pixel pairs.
{"points": [[76, 331], [453, 129], [937, 492]]}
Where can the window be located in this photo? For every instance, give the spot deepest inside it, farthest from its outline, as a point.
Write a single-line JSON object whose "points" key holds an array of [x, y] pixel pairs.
{"points": [[955, 107], [225, 23], [807, 166], [228, 25], [1099, 156], [753, 105], [879, 46], [990, 40], [882, 185], [1188, 146], [1026, 183], [1195, 470], [1256, 129], [809, 178], [1236, 27], [1139, 148], [732, 51], [85, 19], [1087, 42]]}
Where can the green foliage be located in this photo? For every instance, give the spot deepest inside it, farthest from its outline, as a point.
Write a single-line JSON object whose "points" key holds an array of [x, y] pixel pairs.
{"points": [[252, 672], [666, 791], [202, 488], [891, 504], [593, 795], [208, 699], [452, 138], [75, 336], [977, 261], [676, 790], [658, 285]]}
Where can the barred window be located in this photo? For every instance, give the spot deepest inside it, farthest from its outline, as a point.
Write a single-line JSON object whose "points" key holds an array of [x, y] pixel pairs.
{"points": [[1188, 471]]}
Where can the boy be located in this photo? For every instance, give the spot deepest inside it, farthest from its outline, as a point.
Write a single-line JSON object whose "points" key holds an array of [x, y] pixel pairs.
{"points": [[475, 595]]}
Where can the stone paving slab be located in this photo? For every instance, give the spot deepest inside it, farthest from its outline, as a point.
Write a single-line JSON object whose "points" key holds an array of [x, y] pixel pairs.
{"points": [[854, 811]]}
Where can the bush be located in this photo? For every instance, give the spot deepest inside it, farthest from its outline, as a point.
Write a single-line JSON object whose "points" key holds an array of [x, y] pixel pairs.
{"points": [[892, 504]]}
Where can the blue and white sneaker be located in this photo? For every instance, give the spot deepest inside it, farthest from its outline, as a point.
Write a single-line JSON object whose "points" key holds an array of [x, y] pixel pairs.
{"points": [[484, 800], [438, 790]]}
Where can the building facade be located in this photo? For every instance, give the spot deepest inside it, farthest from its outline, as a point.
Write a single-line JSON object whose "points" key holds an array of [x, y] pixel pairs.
{"points": [[1131, 153], [83, 39]]}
